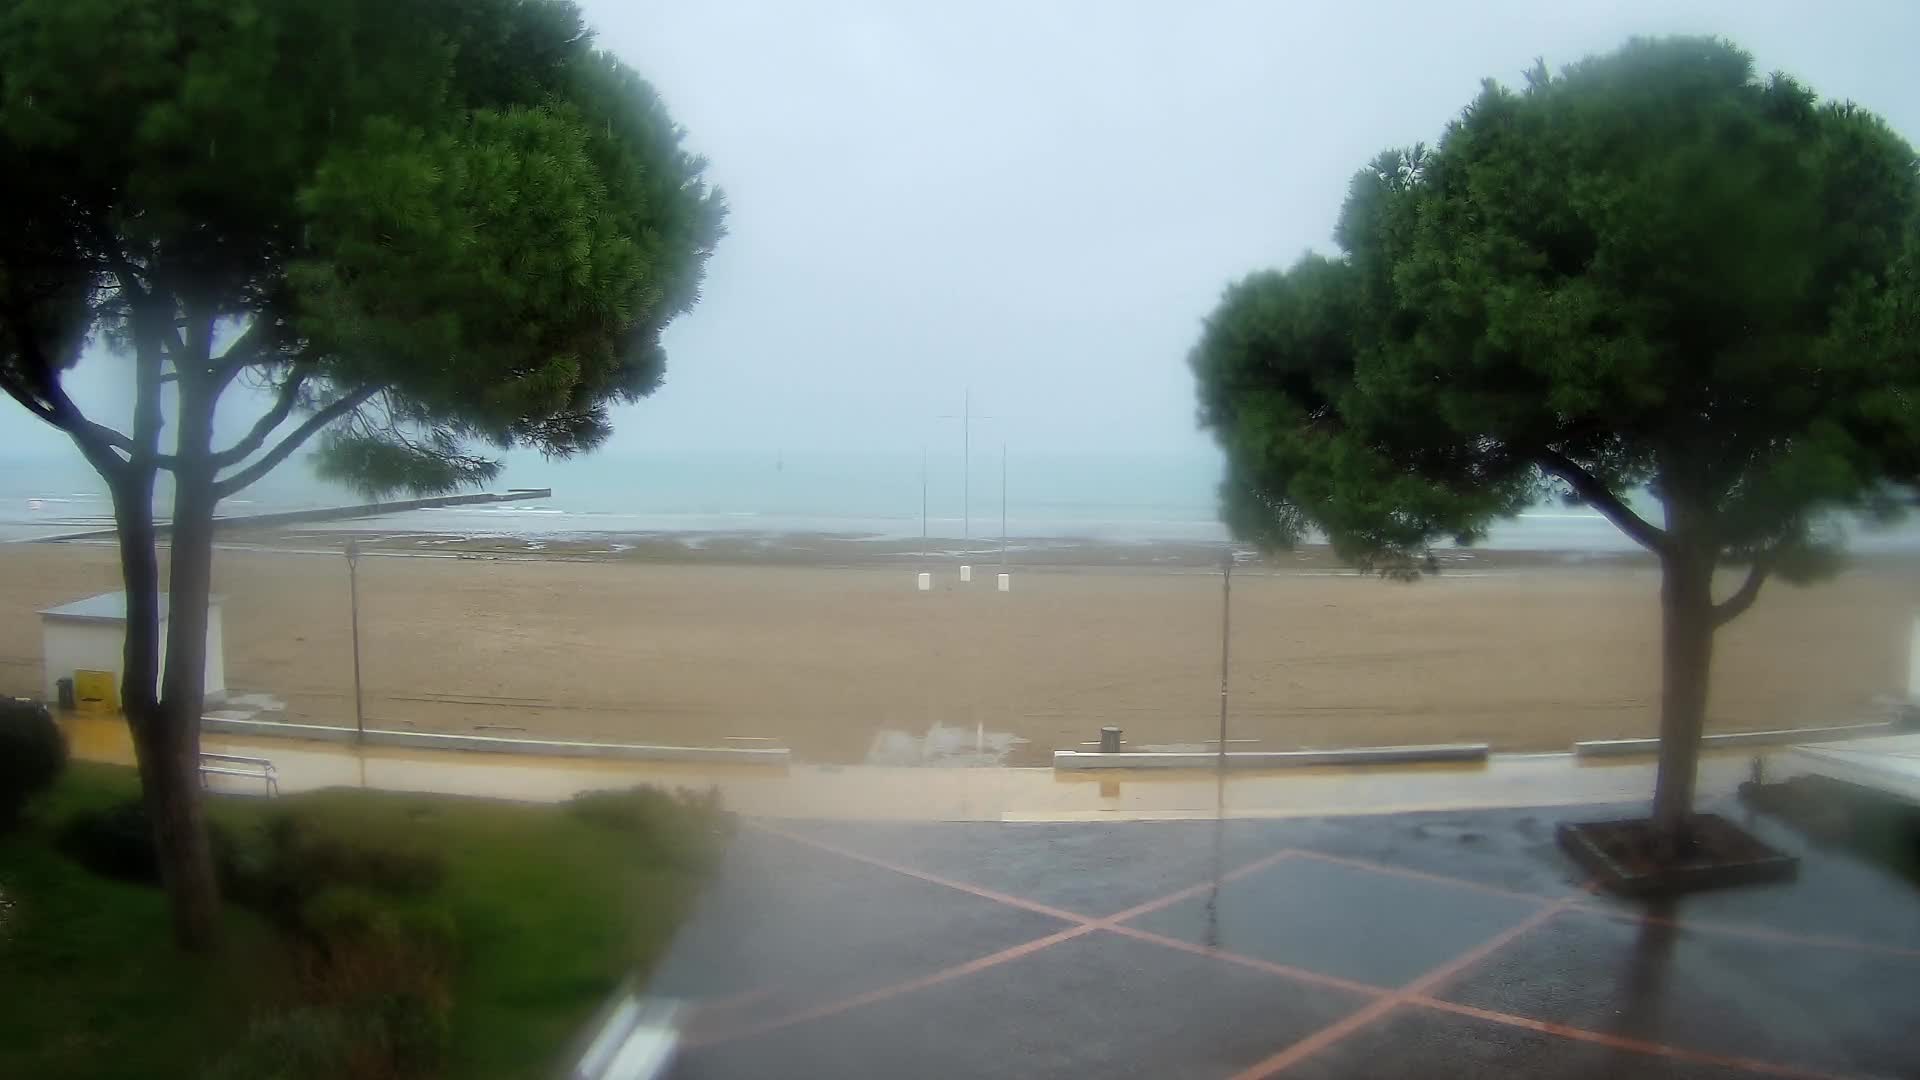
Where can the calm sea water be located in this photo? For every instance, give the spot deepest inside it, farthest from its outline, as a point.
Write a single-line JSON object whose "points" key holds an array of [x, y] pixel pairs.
{"points": [[1108, 499]]}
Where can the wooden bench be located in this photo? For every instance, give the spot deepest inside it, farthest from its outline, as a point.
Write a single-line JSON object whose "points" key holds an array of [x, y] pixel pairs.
{"points": [[257, 768]]}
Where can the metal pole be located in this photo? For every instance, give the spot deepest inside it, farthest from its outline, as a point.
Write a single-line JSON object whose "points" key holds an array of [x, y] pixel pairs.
{"points": [[923, 504], [1226, 635], [1003, 506], [1212, 931], [353, 600], [966, 466]]}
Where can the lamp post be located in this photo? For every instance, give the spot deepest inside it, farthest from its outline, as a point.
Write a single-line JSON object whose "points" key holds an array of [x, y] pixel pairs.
{"points": [[353, 601], [1226, 634]]}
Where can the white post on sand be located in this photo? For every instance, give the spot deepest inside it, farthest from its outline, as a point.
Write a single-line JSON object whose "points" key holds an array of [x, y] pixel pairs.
{"points": [[926, 581], [966, 573], [1006, 582]]}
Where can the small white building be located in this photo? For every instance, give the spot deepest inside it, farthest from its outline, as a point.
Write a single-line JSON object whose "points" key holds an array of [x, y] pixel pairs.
{"points": [[90, 635]]}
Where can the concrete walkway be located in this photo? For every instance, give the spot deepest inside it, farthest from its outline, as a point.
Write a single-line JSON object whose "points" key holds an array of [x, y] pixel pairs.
{"points": [[1890, 765], [1410, 946], [880, 793], [1399, 922]]}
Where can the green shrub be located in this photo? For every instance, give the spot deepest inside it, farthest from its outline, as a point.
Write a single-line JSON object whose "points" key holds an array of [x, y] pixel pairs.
{"points": [[358, 944], [303, 1044], [431, 929], [679, 824], [416, 1030], [382, 1036], [634, 809], [113, 841], [309, 857], [116, 841], [346, 912], [285, 866], [350, 915], [33, 754], [247, 863], [372, 974]]}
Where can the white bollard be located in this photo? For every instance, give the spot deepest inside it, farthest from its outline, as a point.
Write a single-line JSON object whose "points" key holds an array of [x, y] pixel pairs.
{"points": [[1006, 582], [926, 582], [966, 573]]}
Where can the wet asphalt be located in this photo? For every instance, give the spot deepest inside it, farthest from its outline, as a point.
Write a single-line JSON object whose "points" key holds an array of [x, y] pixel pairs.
{"points": [[1419, 945]]}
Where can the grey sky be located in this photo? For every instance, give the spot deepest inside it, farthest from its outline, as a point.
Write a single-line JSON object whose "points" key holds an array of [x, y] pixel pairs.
{"points": [[1042, 200]]}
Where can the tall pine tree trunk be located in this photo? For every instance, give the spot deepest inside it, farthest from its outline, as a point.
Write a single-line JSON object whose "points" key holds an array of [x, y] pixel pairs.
{"points": [[168, 746], [170, 758], [1686, 658], [166, 749]]}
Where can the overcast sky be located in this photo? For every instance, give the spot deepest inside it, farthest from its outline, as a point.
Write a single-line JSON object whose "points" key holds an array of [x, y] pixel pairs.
{"points": [[1042, 200]]}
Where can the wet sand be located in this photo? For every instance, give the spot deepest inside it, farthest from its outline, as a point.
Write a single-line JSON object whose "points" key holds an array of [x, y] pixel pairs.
{"points": [[838, 655]]}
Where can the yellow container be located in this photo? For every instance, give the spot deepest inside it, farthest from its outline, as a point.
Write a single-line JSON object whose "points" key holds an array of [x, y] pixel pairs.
{"points": [[96, 692]]}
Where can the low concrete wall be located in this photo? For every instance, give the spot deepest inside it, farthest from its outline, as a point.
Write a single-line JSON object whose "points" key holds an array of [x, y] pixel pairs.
{"points": [[213, 725], [1625, 747], [425, 740], [330, 513], [1272, 759]]}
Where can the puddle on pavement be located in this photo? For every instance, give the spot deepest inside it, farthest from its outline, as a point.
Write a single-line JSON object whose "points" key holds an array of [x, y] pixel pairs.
{"points": [[943, 744]]}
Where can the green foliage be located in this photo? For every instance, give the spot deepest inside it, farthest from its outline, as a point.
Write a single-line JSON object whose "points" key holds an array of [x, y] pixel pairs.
{"points": [[344, 912], [388, 1037], [85, 958], [681, 824], [536, 915], [430, 230], [1651, 270], [301, 1044], [384, 970], [310, 853], [116, 841], [460, 220], [33, 754], [374, 465]]}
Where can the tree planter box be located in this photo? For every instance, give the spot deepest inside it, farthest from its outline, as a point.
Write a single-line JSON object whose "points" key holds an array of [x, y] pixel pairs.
{"points": [[1621, 855]]}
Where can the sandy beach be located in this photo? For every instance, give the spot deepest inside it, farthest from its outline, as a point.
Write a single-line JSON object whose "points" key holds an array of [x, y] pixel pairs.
{"points": [[843, 660]]}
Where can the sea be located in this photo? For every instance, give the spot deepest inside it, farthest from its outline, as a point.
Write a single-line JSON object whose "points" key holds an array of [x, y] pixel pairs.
{"points": [[1107, 499]]}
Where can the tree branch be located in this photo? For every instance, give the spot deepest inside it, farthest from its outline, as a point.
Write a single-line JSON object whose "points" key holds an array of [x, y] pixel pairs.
{"points": [[51, 404], [245, 351], [47, 399], [263, 427], [1736, 605], [1597, 495], [27, 400], [332, 411]]}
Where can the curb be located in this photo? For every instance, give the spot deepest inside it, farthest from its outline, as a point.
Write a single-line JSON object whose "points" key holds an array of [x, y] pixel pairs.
{"points": [[1624, 747], [1273, 759], [425, 740]]}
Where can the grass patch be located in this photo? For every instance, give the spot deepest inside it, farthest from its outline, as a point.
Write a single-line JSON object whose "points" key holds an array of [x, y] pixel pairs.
{"points": [[533, 914]]}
